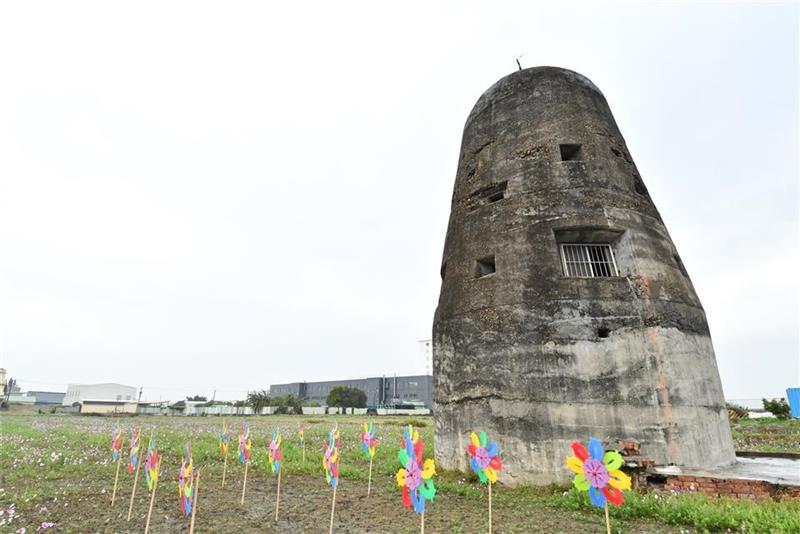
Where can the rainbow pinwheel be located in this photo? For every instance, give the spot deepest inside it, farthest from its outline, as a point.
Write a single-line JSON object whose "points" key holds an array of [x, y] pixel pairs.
{"points": [[414, 475], [223, 441], [185, 478], [244, 444], [116, 444], [484, 458], [598, 472], [330, 460], [301, 431], [275, 453], [136, 445], [151, 463], [369, 441]]}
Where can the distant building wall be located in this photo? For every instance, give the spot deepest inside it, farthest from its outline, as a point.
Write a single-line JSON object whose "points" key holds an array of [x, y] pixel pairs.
{"points": [[107, 407], [379, 390], [110, 391], [46, 397]]}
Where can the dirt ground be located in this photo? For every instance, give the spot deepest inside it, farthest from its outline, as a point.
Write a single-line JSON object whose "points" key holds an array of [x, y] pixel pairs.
{"points": [[305, 507]]}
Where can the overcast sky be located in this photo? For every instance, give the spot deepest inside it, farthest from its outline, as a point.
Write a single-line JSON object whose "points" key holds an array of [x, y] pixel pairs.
{"points": [[223, 196]]}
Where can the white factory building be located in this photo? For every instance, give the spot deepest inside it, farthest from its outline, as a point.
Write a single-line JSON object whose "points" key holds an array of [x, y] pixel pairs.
{"points": [[101, 398]]}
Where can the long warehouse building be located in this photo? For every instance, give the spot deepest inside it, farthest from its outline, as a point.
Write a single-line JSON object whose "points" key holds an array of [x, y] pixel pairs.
{"points": [[380, 390]]}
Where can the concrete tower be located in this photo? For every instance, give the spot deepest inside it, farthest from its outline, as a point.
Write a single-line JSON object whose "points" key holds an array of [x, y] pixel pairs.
{"points": [[565, 310]]}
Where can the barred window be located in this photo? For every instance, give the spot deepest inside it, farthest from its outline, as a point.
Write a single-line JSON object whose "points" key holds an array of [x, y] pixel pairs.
{"points": [[588, 260]]}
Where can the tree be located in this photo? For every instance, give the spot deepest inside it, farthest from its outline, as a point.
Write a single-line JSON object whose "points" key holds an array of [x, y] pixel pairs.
{"points": [[198, 398], [258, 399], [778, 407], [287, 404], [347, 397]]}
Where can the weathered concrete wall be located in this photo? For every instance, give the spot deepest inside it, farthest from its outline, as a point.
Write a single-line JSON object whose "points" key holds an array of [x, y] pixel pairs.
{"points": [[536, 358]]}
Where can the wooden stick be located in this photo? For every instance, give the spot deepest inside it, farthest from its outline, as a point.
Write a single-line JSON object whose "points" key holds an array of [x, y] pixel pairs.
{"points": [[369, 480], [152, 498], [135, 480], [244, 483], [333, 506], [490, 507], [116, 477], [422, 523], [225, 466], [304, 451], [278, 497], [196, 491], [608, 521]]}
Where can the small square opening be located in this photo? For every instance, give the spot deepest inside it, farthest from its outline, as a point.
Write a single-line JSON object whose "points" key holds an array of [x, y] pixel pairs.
{"points": [[484, 267], [571, 152]]}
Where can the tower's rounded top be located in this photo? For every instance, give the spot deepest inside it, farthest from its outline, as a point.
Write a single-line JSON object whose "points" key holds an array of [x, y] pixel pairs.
{"points": [[528, 80]]}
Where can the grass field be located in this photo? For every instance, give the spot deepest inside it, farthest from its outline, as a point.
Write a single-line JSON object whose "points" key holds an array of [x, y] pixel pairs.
{"points": [[57, 469], [766, 434]]}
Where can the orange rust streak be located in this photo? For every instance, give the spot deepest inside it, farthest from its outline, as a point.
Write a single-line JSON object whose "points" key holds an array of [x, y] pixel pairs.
{"points": [[662, 390]]}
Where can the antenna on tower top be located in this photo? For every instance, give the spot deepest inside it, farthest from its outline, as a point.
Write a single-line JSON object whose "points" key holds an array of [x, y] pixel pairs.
{"points": [[519, 56]]}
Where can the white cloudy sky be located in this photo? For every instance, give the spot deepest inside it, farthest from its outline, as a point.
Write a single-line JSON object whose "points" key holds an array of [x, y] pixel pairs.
{"points": [[199, 196]]}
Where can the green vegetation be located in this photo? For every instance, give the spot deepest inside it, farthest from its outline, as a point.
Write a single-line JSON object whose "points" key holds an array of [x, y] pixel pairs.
{"points": [[701, 512], [346, 397], [777, 407], [257, 400], [766, 434], [66, 460]]}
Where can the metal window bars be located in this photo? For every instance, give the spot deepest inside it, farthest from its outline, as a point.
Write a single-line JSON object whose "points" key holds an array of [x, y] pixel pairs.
{"points": [[588, 260]]}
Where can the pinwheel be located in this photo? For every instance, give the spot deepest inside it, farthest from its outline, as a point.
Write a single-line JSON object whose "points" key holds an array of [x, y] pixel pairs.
{"points": [[597, 472], [134, 464], [185, 481], [116, 454], [485, 461], [330, 461], [244, 454], [369, 444], [133, 457], [223, 448], [116, 444], [152, 464], [275, 453], [414, 475]]}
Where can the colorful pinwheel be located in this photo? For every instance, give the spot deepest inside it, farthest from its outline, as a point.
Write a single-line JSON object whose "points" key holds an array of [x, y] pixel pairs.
{"points": [[330, 460], [185, 479], [244, 455], [369, 441], [275, 453], [223, 448], [116, 444], [223, 441], [116, 454], [136, 443], [414, 475], [369, 444], [151, 463], [484, 458], [244, 444], [598, 472]]}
